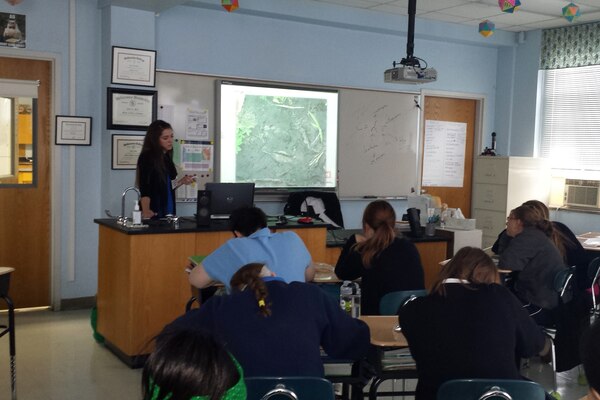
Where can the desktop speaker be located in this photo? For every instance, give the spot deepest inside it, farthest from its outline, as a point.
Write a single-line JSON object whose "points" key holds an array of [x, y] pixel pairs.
{"points": [[203, 208]]}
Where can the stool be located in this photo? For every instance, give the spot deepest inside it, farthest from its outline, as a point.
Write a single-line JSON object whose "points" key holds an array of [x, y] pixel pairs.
{"points": [[10, 328]]}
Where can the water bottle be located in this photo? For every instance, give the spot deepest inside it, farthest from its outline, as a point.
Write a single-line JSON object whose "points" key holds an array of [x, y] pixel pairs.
{"points": [[350, 298]]}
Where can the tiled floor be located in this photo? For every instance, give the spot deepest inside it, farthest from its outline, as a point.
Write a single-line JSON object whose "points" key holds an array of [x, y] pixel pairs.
{"points": [[57, 359]]}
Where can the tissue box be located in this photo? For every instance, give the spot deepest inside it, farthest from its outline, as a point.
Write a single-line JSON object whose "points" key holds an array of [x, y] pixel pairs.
{"points": [[463, 224]]}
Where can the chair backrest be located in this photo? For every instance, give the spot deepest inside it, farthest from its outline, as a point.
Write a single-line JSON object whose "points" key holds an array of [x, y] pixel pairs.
{"points": [[482, 389], [392, 301], [594, 275], [297, 388], [563, 284], [331, 202]]}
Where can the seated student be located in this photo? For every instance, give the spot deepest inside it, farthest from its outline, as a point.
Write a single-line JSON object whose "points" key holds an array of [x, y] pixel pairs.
{"points": [[189, 364], [590, 355], [537, 260], [385, 262], [468, 326], [276, 329], [563, 238], [284, 253]]}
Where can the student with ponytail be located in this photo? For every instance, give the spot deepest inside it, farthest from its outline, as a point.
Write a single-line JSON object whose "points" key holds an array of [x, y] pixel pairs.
{"points": [[384, 261], [274, 328], [534, 258]]}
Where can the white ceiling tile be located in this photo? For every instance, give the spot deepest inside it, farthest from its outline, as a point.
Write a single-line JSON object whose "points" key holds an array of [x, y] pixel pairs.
{"points": [[443, 17], [390, 9], [474, 10], [532, 14]]}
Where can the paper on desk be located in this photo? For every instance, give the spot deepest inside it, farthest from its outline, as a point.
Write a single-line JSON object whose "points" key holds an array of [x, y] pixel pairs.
{"points": [[592, 242]]}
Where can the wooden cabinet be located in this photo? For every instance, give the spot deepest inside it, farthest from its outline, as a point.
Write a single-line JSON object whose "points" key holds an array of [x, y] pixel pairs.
{"points": [[142, 285], [503, 183]]}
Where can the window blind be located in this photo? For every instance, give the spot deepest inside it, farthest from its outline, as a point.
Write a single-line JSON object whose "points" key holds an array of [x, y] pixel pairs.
{"points": [[570, 118]]}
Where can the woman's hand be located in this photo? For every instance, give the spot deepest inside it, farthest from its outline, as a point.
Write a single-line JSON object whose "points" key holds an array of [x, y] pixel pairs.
{"points": [[147, 214], [186, 180]]}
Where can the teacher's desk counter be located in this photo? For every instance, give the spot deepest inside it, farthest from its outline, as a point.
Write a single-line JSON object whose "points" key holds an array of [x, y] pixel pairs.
{"points": [[142, 285]]}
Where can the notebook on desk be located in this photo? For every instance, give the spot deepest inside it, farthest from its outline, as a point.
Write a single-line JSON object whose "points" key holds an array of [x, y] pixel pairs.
{"points": [[227, 197]]}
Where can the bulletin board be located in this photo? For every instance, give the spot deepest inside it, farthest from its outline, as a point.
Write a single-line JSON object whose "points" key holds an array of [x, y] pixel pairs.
{"points": [[377, 140]]}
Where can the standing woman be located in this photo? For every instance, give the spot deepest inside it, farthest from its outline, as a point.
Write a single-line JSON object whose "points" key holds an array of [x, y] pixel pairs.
{"points": [[385, 262], [156, 174]]}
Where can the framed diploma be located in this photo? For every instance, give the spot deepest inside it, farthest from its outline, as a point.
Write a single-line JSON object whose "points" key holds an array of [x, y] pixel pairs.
{"points": [[130, 109], [126, 150], [73, 130], [133, 66]]}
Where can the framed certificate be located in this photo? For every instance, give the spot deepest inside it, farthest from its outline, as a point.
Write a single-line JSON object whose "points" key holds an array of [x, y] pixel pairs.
{"points": [[133, 66], [126, 150], [130, 109], [73, 130]]}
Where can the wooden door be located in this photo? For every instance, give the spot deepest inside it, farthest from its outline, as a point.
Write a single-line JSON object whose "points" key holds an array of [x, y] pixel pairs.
{"points": [[454, 110], [25, 209]]}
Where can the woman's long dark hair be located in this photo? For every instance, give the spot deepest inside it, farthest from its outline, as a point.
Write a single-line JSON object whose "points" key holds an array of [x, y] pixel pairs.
{"points": [[381, 217], [560, 240], [153, 150], [186, 363], [533, 217], [248, 277], [470, 264]]}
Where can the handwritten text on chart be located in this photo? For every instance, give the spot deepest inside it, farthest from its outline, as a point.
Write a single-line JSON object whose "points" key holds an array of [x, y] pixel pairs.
{"points": [[444, 153]]}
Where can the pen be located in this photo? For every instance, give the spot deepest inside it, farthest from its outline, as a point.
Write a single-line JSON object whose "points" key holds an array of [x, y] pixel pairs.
{"points": [[369, 197]]}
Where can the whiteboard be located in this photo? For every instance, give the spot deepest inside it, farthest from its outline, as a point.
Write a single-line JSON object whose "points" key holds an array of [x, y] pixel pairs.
{"points": [[378, 143], [377, 139]]}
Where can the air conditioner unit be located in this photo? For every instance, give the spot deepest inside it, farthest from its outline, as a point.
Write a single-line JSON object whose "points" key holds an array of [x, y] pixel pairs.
{"points": [[582, 193]]}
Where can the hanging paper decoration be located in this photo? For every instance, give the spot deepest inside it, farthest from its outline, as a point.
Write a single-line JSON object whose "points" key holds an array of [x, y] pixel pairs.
{"points": [[230, 5], [571, 12], [509, 6], [487, 28]]}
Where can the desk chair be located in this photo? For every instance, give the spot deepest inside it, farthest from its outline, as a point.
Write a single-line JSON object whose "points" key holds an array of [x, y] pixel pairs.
{"points": [[594, 275], [482, 389], [10, 328], [297, 388], [392, 301], [563, 285], [393, 363], [330, 200]]}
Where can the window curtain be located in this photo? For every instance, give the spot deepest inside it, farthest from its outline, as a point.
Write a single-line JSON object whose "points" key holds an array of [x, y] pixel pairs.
{"points": [[572, 46]]}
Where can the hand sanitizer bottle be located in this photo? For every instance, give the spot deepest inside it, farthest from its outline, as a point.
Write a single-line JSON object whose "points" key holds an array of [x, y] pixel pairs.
{"points": [[137, 214]]}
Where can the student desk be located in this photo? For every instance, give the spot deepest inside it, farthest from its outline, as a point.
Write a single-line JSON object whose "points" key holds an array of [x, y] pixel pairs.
{"points": [[432, 250], [142, 285], [593, 242], [385, 340]]}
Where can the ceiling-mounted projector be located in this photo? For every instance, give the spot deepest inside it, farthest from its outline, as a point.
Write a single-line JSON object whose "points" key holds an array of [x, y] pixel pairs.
{"points": [[409, 74], [409, 70]]}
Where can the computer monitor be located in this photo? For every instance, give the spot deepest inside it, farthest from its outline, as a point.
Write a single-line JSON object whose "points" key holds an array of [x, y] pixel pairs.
{"points": [[227, 197]]}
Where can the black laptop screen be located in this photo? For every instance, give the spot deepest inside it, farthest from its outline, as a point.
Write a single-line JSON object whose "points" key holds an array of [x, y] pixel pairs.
{"points": [[227, 197]]}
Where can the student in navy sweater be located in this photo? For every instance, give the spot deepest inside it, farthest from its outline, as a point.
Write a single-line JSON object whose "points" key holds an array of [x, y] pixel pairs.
{"points": [[385, 262], [276, 329], [469, 326]]}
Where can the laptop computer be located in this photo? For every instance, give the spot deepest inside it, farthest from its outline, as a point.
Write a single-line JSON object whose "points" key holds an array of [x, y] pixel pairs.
{"points": [[227, 197]]}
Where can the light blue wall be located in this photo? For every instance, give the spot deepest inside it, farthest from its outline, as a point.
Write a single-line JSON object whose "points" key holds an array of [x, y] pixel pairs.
{"points": [[294, 41]]}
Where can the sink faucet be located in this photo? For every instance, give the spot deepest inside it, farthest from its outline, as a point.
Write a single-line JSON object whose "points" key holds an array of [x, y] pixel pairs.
{"points": [[122, 218]]}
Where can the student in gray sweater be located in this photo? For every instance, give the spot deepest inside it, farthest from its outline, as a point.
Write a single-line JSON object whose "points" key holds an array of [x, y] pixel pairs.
{"points": [[535, 259]]}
